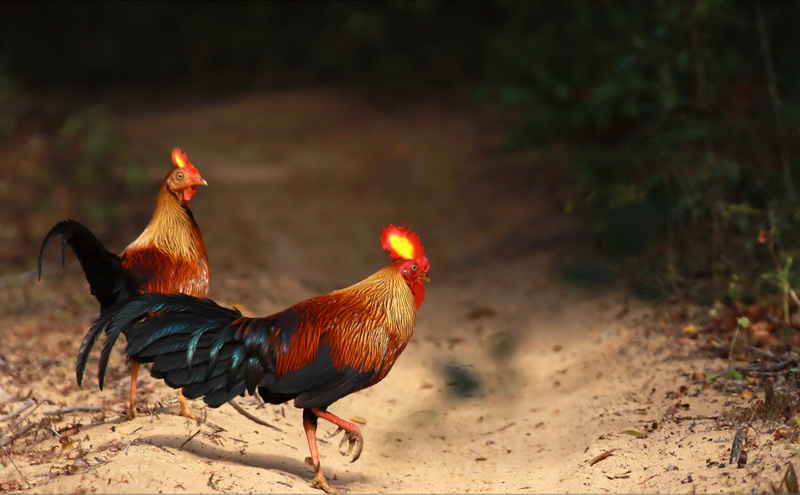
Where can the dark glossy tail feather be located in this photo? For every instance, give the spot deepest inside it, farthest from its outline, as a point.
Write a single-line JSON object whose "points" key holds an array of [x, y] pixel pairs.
{"points": [[192, 343], [108, 280]]}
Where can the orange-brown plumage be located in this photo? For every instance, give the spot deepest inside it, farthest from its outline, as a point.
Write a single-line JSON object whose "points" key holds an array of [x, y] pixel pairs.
{"points": [[368, 323], [169, 256], [315, 352]]}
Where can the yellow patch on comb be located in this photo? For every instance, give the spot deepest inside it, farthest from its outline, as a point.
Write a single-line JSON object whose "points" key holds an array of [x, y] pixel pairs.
{"points": [[402, 246], [178, 158]]}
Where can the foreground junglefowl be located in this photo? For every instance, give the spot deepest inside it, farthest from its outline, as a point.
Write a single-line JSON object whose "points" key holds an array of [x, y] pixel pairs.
{"points": [[168, 257], [314, 352]]}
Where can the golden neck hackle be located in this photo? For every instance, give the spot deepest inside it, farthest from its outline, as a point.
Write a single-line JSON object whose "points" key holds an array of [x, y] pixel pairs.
{"points": [[172, 228]]}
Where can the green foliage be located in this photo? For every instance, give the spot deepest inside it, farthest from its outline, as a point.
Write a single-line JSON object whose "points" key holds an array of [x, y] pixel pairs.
{"points": [[87, 153], [79, 170], [677, 145]]}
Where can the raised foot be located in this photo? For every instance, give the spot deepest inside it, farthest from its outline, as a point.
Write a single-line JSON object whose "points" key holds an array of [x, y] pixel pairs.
{"points": [[354, 441]]}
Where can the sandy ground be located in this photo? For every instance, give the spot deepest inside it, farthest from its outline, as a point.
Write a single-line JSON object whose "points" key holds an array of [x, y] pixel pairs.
{"points": [[514, 382]]}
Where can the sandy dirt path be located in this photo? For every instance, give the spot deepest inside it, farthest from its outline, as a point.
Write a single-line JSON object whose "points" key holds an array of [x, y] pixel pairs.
{"points": [[512, 383]]}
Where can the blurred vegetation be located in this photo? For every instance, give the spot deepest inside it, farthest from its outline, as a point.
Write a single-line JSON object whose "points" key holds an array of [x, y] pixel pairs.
{"points": [[675, 123], [79, 169], [681, 129]]}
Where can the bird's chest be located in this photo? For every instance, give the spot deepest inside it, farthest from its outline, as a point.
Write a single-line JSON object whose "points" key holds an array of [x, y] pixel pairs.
{"points": [[167, 273]]}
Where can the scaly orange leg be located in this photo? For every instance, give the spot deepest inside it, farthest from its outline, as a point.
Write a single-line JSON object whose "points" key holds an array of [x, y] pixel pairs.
{"points": [[352, 433], [132, 400], [310, 425], [185, 411]]}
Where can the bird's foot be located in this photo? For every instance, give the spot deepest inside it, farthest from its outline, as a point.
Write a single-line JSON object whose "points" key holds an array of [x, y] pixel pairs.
{"points": [[131, 414], [186, 413], [354, 441], [320, 483]]}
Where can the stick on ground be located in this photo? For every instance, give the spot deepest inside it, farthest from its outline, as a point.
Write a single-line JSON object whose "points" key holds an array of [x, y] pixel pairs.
{"points": [[252, 418]]}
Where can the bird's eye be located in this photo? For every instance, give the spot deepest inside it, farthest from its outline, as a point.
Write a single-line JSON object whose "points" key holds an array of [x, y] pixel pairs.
{"points": [[179, 175], [414, 268]]}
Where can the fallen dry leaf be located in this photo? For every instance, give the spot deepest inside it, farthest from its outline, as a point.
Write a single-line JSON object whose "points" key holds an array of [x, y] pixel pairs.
{"points": [[602, 456], [690, 329], [634, 433]]}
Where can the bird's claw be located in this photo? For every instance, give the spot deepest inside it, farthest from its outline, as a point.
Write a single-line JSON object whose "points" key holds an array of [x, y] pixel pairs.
{"points": [[338, 429], [320, 484], [354, 441]]}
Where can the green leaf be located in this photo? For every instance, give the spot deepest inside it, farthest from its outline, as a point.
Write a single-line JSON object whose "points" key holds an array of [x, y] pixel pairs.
{"points": [[743, 321], [732, 373]]}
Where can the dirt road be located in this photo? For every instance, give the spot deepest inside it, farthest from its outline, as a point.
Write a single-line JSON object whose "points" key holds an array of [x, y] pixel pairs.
{"points": [[514, 382]]}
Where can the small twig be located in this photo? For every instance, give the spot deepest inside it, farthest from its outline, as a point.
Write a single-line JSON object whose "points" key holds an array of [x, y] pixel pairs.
{"points": [[787, 289], [27, 414], [54, 431], [509, 425], [100, 461], [159, 447], [65, 410], [26, 405], [190, 438], [25, 429], [764, 353], [140, 440], [252, 418], [15, 466], [695, 418], [768, 367]]}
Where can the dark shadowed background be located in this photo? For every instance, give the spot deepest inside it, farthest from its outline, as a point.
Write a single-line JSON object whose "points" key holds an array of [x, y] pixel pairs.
{"points": [[605, 190], [672, 125]]}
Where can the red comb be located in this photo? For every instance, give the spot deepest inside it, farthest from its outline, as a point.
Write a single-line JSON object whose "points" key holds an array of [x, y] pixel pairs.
{"points": [[180, 160], [401, 243]]}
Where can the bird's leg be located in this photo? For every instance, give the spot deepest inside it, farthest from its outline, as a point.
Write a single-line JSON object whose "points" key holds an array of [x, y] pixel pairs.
{"points": [[132, 400], [310, 425], [185, 411], [352, 434]]}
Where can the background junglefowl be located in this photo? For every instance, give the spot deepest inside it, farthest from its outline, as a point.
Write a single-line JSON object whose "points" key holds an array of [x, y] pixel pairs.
{"points": [[314, 352], [168, 257]]}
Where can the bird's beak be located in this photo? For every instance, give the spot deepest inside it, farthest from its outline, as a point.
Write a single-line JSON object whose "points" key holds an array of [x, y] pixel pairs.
{"points": [[425, 278], [200, 182]]}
